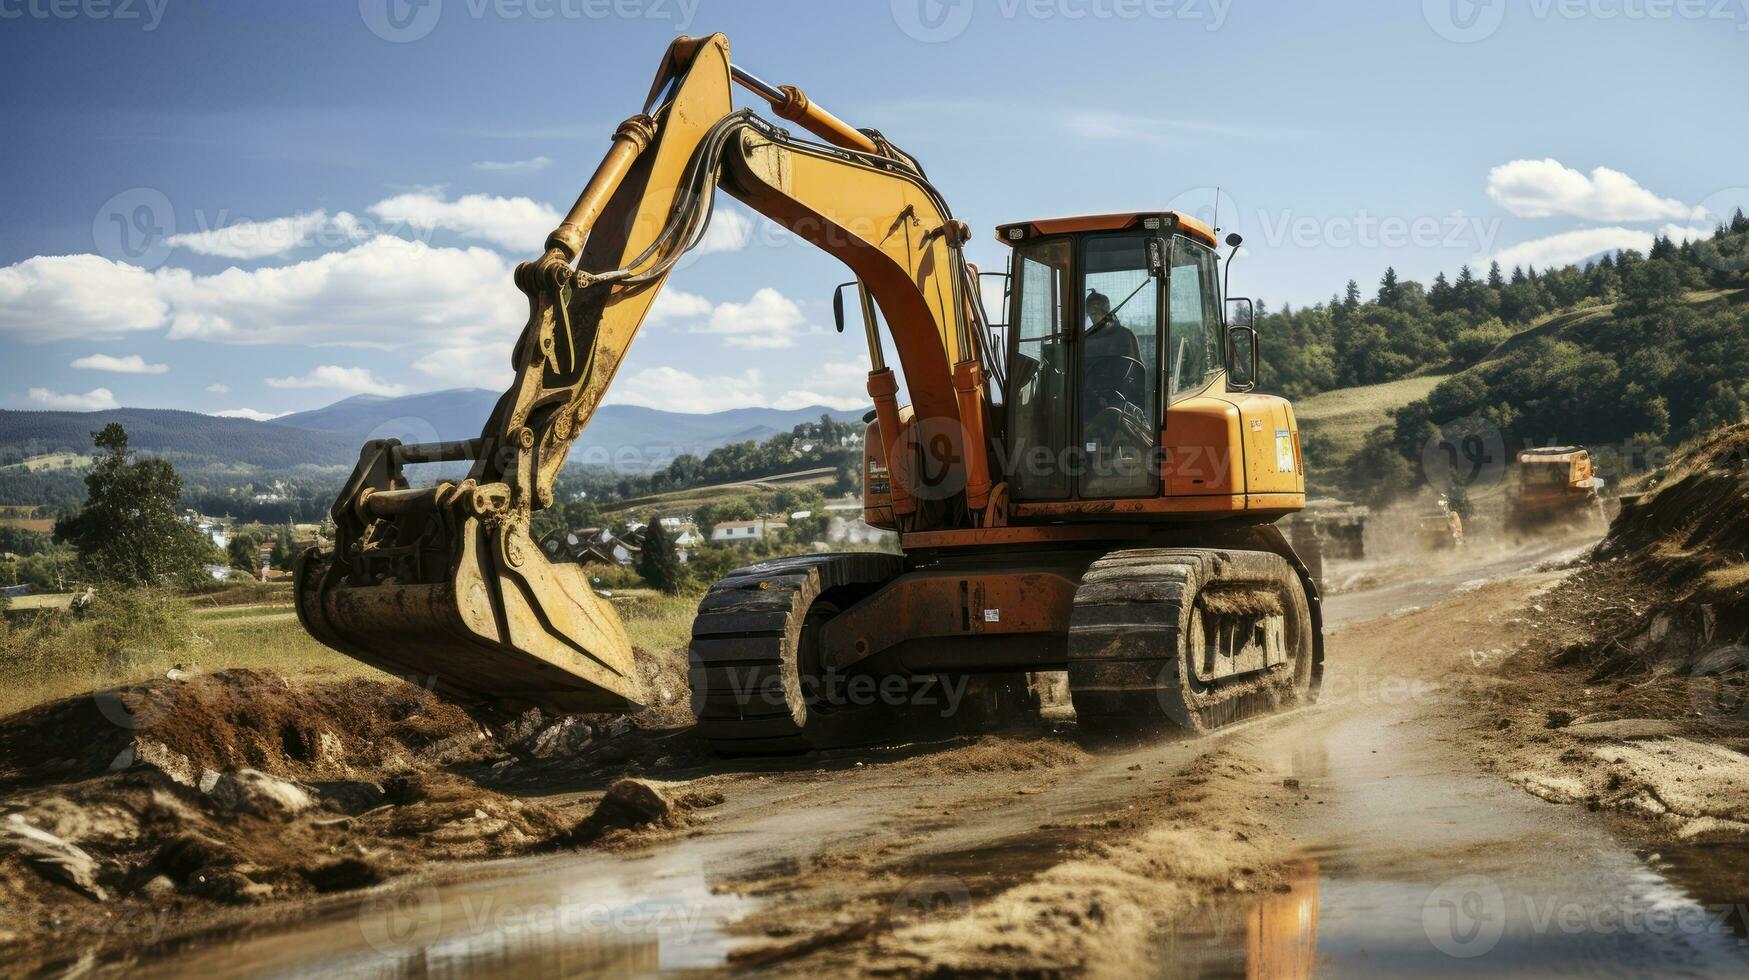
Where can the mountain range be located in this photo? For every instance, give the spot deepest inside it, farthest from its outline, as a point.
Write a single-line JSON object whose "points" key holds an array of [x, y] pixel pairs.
{"points": [[625, 437]]}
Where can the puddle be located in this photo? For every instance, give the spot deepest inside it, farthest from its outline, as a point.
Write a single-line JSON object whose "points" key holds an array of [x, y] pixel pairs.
{"points": [[1421, 871], [569, 918]]}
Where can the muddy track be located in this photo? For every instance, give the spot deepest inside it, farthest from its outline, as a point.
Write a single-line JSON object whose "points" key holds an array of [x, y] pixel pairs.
{"points": [[1032, 852]]}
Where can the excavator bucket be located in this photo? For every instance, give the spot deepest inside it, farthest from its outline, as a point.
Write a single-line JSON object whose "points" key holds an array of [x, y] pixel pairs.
{"points": [[443, 587]]}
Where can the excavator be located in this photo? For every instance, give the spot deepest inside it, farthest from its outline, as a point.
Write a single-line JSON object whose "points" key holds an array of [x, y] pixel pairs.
{"points": [[1089, 486]]}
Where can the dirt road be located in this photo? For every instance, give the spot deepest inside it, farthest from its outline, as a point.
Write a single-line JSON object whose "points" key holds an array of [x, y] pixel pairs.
{"points": [[1359, 837]]}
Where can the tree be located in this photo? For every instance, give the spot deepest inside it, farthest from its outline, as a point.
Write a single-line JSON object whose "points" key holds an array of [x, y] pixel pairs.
{"points": [[242, 551], [658, 563], [129, 530], [285, 554]]}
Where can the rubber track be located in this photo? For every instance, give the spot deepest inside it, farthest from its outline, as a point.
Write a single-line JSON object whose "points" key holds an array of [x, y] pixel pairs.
{"points": [[1127, 671], [746, 693]]}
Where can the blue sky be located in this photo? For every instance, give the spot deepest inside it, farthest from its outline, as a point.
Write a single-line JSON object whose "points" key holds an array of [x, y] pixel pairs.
{"points": [[268, 206]]}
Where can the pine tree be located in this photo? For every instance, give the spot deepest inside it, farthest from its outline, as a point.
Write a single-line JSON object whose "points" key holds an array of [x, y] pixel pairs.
{"points": [[658, 563], [1388, 287], [1495, 279], [1739, 223], [1440, 295]]}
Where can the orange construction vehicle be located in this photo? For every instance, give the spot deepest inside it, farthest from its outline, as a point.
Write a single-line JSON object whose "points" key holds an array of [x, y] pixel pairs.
{"points": [[1557, 487], [1090, 485]]}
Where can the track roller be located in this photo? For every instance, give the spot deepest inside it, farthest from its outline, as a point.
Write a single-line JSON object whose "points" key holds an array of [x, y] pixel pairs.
{"points": [[1189, 640]]}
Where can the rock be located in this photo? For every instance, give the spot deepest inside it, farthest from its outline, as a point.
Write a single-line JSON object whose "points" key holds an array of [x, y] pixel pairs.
{"points": [[253, 791], [614, 754], [158, 886], [155, 754], [330, 751], [526, 726], [628, 805], [1559, 718], [562, 740], [349, 796], [97, 821], [613, 727], [1290, 783], [52, 857]]}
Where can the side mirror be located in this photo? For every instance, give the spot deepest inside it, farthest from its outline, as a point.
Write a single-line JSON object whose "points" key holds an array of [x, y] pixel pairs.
{"points": [[1241, 345], [838, 304]]}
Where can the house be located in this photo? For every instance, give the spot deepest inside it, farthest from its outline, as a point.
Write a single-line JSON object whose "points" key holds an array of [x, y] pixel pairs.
{"points": [[731, 532]]}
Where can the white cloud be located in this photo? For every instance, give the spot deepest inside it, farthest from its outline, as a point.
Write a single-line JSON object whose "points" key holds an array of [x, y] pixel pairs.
{"points": [[386, 292], [131, 364], [1569, 247], [515, 223], [833, 384], [484, 365], [62, 297], [842, 385], [219, 388], [1544, 188], [528, 166], [248, 413], [352, 380], [767, 321], [672, 304], [674, 390], [95, 400], [730, 231], [259, 239]]}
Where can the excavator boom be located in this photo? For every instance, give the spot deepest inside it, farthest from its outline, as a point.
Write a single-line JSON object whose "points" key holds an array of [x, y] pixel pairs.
{"points": [[445, 585]]}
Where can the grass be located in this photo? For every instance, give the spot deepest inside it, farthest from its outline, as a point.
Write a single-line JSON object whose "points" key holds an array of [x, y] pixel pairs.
{"points": [[1344, 417], [722, 492], [134, 637]]}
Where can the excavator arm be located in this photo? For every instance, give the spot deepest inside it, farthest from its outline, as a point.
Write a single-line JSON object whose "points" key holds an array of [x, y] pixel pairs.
{"points": [[445, 586]]}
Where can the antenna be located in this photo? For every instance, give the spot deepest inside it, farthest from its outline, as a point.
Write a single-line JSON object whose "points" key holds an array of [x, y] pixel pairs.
{"points": [[1217, 216]]}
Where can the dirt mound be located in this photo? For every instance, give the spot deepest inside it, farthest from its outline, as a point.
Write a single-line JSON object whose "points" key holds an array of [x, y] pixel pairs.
{"points": [[177, 800], [232, 719], [1668, 591]]}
